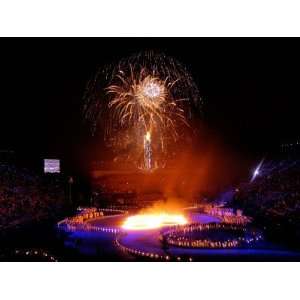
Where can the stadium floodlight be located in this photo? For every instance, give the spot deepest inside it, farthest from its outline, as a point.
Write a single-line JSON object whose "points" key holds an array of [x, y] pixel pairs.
{"points": [[257, 171]]}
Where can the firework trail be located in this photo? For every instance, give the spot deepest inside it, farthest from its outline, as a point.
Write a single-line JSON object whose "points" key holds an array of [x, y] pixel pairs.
{"points": [[147, 93]]}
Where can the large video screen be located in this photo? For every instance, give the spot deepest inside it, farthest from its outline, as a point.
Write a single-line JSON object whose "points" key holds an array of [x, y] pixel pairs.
{"points": [[51, 166]]}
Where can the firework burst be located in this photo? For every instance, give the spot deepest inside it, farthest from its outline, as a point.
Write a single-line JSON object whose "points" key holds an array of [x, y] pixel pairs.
{"points": [[145, 102], [145, 93]]}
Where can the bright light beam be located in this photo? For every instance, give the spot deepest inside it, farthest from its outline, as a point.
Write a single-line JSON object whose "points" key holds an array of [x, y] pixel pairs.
{"points": [[152, 221], [257, 171]]}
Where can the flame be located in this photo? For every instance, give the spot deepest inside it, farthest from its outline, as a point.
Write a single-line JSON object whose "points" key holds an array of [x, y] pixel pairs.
{"points": [[152, 221]]}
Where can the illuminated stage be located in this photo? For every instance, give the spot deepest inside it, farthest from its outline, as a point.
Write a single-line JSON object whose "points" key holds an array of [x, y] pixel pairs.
{"points": [[103, 238]]}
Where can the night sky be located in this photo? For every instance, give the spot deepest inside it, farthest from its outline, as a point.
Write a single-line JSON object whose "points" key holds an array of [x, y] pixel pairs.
{"points": [[250, 88]]}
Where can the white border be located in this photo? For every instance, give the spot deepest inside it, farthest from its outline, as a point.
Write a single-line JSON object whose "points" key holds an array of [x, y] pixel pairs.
{"points": [[149, 281], [149, 18]]}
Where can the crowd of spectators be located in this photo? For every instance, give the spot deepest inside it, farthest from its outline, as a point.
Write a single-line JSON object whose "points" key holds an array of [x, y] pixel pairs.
{"points": [[274, 195], [26, 196]]}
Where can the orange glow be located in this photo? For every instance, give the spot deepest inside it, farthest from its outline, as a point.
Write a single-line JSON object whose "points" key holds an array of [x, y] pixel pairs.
{"points": [[152, 221], [148, 136]]}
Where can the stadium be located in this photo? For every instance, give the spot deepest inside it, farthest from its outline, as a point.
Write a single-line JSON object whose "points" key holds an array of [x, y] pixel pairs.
{"points": [[255, 220], [151, 156]]}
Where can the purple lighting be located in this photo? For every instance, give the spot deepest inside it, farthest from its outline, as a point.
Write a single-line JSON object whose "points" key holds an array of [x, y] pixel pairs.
{"points": [[51, 166], [257, 171]]}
